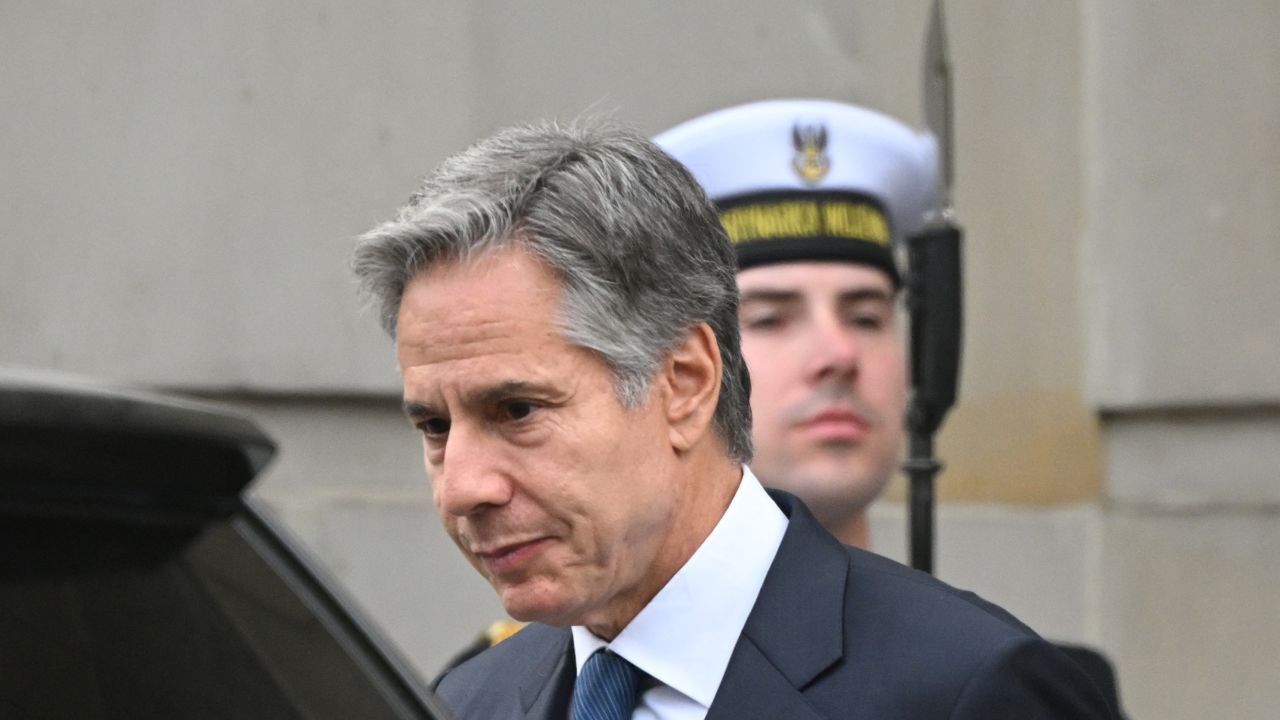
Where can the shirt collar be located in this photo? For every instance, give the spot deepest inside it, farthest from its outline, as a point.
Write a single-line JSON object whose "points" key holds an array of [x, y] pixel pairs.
{"points": [[685, 635]]}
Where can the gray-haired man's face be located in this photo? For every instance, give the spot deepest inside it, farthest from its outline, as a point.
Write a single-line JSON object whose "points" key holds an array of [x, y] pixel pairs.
{"points": [[557, 493]]}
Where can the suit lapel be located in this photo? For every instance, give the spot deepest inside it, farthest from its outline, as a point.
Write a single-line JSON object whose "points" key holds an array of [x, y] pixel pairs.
{"points": [[546, 689], [796, 628], [754, 689]]}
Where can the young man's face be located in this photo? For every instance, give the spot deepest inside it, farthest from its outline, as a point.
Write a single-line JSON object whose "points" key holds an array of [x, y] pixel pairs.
{"points": [[828, 381], [558, 494]]}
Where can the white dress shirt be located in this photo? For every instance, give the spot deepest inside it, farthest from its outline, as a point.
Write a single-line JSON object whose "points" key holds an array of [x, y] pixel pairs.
{"points": [[683, 638]]}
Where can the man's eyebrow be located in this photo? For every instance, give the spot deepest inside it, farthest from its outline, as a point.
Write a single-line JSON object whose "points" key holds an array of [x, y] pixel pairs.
{"points": [[866, 293], [484, 396], [506, 390], [417, 410]]}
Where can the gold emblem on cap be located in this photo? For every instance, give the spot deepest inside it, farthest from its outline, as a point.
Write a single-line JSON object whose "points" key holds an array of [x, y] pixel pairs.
{"points": [[810, 161]]}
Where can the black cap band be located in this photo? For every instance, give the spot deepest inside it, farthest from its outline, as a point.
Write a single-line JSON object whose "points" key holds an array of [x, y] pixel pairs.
{"points": [[797, 225]]}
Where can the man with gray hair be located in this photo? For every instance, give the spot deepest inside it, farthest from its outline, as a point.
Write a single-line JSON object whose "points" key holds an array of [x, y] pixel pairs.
{"points": [[564, 307]]}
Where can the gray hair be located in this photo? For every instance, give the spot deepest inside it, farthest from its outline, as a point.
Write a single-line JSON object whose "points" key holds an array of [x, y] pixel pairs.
{"points": [[638, 247]]}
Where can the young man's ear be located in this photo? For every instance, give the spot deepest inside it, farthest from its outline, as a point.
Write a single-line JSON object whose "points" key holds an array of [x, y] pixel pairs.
{"points": [[692, 375]]}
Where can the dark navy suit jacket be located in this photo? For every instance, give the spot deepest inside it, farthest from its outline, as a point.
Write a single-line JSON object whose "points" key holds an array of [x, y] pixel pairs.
{"points": [[836, 632]]}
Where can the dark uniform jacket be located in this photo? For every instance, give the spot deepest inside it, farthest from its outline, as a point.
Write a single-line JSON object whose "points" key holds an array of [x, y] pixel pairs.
{"points": [[836, 632]]}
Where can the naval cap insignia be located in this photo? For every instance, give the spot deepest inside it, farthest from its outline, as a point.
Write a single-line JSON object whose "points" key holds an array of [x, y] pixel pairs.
{"points": [[810, 162]]}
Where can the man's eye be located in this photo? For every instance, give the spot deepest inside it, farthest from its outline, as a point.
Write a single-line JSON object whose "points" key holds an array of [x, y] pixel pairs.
{"points": [[867, 320], [435, 427], [762, 321], [517, 409]]}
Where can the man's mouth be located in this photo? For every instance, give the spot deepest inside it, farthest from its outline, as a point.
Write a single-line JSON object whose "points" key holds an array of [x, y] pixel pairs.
{"points": [[512, 557], [835, 425]]}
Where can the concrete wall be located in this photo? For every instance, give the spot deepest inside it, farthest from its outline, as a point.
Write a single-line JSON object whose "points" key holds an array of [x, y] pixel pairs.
{"points": [[182, 182], [1182, 169]]}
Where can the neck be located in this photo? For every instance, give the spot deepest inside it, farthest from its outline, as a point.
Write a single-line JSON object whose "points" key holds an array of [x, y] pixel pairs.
{"points": [[853, 530]]}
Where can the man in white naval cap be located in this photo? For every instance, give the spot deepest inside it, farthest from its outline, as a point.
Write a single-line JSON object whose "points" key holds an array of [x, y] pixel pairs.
{"points": [[815, 195]]}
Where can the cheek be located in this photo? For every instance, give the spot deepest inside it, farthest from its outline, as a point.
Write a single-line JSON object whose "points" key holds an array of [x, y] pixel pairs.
{"points": [[627, 477], [769, 368], [766, 370], [453, 530], [884, 381]]}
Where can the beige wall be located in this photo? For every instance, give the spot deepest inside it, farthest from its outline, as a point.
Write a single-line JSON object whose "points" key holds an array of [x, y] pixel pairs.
{"points": [[182, 181], [1182, 163]]}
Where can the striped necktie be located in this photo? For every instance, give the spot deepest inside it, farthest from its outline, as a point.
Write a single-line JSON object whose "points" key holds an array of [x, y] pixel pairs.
{"points": [[606, 688]]}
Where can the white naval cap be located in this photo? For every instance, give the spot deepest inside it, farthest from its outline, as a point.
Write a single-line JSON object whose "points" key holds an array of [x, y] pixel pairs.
{"points": [[811, 179]]}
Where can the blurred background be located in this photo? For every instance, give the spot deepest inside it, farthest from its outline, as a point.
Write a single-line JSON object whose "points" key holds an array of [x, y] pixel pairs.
{"points": [[180, 183]]}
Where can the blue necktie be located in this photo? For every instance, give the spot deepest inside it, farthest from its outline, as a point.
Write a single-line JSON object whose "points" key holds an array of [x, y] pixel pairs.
{"points": [[606, 688]]}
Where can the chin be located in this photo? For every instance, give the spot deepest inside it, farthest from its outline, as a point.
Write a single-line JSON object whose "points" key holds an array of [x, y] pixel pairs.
{"points": [[528, 605], [840, 486]]}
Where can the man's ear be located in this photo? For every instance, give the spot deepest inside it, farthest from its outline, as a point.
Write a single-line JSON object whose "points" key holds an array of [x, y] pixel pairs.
{"points": [[692, 375]]}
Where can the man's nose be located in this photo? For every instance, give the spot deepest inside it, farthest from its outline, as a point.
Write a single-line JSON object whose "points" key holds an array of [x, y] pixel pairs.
{"points": [[835, 350], [471, 477]]}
